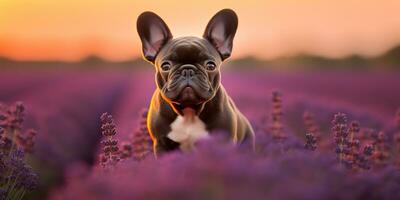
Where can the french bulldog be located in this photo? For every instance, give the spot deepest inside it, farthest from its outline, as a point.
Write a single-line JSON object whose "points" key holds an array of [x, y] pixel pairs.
{"points": [[190, 101]]}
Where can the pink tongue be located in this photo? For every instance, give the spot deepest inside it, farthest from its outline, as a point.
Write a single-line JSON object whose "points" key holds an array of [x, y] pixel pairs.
{"points": [[188, 112]]}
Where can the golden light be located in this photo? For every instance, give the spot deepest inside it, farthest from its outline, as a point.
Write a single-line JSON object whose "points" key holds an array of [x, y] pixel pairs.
{"points": [[74, 29]]}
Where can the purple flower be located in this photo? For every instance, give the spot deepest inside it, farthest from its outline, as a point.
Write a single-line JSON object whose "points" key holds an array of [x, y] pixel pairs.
{"points": [[18, 172], [110, 154], [363, 158], [276, 126], [13, 116], [27, 140], [311, 142], [142, 145], [382, 150], [3, 193], [341, 132], [218, 169], [16, 176], [125, 150], [311, 124], [11, 134]]}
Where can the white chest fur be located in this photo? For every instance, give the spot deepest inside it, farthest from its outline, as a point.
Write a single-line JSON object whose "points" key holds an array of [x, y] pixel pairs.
{"points": [[186, 130]]}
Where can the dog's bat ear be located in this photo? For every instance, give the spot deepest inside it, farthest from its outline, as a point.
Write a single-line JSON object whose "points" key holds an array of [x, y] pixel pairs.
{"points": [[153, 33], [221, 30]]}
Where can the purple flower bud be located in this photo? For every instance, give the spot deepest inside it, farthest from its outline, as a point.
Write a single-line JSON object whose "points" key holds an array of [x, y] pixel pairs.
{"points": [[110, 155], [368, 150], [339, 118], [2, 193], [311, 142]]}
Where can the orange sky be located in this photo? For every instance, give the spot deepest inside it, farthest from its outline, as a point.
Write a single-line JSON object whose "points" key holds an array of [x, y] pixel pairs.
{"points": [[73, 29]]}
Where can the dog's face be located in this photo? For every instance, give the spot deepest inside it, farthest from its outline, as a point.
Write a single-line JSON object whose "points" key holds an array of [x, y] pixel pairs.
{"points": [[187, 68]]}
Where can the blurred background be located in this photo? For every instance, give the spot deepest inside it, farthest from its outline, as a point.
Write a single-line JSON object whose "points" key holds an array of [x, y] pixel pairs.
{"points": [[72, 31], [69, 61]]}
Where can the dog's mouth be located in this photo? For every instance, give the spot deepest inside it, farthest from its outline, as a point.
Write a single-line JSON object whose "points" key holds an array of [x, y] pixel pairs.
{"points": [[186, 89], [188, 99]]}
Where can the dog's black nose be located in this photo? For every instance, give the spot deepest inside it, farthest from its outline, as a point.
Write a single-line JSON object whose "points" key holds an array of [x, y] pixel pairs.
{"points": [[188, 73], [188, 70]]}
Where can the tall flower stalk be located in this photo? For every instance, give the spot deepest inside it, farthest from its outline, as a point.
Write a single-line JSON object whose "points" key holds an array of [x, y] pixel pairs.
{"points": [[341, 133], [137, 148], [381, 155], [276, 127], [311, 124], [311, 142], [353, 144], [16, 176], [110, 153], [141, 141], [358, 157], [12, 119]]}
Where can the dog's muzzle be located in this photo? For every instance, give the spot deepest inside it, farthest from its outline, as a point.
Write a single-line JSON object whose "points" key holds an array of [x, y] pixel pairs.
{"points": [[188, 85]]}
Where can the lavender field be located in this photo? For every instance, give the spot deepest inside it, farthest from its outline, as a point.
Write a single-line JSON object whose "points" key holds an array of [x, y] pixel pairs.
{"points": [[322, 154]]}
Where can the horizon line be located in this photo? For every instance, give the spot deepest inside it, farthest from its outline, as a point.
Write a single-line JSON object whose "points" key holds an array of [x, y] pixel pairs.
{"points": [[96, 57]]}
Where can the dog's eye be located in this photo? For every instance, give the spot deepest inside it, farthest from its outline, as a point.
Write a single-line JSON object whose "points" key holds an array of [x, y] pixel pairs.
{"points": [[165, 66], [210, 65]]}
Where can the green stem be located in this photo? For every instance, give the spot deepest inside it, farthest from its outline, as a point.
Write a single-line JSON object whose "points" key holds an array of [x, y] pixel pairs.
{"points": [[22, 194], [18, 193], [11, 187], [13, 138]]}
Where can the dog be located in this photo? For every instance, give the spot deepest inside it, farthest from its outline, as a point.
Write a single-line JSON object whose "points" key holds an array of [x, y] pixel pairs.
{"points": [[190, 101]]}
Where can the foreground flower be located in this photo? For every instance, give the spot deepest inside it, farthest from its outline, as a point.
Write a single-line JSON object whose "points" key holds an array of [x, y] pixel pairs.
{"points": [[219, 170], [125, 151], [358, 158], [353, 144], [276, 127], [381, 155], [110, 153], [16, 176], [13, 117], [311, 142], [341, 132], [363, 159], [141, 141], [27, 140], [311, 124]]}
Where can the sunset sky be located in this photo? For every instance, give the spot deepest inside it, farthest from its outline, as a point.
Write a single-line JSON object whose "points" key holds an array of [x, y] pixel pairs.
{"points": [[73, 29]]}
